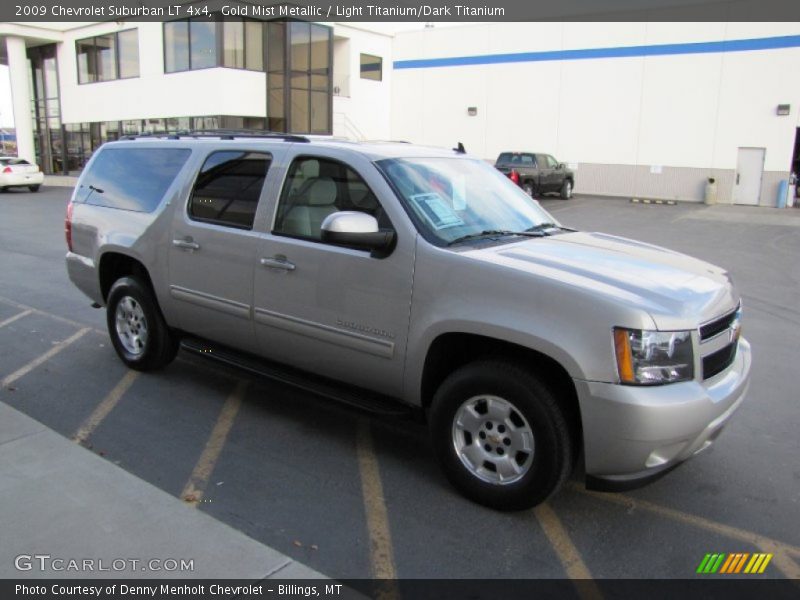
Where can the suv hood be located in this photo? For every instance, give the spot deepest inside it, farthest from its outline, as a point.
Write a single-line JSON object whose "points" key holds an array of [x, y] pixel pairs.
{"points": [[678, 291]]}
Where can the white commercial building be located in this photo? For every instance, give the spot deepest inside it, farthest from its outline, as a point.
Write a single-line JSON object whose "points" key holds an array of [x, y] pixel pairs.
{"points": [[649, 110]]}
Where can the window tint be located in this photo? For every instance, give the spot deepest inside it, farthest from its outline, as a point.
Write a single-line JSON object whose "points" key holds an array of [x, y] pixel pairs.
{"points": [[318, 187], [527, 159], [228, 187], [131, 178], [504, 158]]}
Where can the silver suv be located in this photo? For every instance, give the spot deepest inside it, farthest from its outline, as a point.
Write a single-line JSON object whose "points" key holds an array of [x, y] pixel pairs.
{"points": [[397, 275]]}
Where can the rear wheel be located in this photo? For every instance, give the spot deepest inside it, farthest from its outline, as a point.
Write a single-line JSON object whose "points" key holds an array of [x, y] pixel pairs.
{"points": [[138, 331], [566, 189], [529, 189], [33, 188], [500, 435]]}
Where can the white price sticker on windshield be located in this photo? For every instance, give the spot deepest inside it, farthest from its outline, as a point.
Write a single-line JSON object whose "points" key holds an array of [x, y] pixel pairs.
{"points": [[436, 211]]}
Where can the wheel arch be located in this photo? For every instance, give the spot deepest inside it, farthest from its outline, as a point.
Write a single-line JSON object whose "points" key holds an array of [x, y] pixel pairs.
{"points": [[450, 351], [114, 265]]}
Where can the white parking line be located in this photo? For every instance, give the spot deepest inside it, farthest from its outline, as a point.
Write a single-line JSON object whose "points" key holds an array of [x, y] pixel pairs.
{"points": [[10, 320], [21, 372]]}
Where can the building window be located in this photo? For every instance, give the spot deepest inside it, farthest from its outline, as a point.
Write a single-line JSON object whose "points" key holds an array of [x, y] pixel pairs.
{"points": [[203, 44], [243, 44], [371, 67], [189, 45], [128, 51], [299, 77], [108, 57], [176, 46]]}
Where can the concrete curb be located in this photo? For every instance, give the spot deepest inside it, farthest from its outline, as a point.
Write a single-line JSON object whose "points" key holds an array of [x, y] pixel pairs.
{"points": [[60, 499], [60, 181]]}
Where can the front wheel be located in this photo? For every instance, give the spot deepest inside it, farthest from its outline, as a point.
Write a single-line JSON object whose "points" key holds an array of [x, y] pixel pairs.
{"points": [[500, 435], [33, 188], [138, 331], [566, 189]]}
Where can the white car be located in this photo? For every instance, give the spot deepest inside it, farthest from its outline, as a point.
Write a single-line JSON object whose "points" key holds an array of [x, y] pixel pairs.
{"points": [[18, 172]]}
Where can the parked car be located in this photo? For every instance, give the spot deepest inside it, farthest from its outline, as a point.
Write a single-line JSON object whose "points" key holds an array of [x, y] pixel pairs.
{"points": [[537, 173], [18, 172], [388, 276]]}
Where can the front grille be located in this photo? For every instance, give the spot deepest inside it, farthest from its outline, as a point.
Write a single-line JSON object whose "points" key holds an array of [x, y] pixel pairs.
{"points": [[716, 326], [720, 360]]}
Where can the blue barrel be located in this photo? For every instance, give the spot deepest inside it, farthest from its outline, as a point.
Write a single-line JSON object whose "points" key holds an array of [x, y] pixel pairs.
{"points": [[783, 191]]}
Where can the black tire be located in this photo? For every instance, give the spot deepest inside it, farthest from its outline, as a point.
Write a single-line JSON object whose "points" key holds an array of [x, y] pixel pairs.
{"points": [[33, 188], [566, 189], [529, 189], [553, 451], [161, 344]]}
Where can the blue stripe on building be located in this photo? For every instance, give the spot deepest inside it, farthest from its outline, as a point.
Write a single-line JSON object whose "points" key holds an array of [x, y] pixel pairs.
{"points": [[770, 43]]}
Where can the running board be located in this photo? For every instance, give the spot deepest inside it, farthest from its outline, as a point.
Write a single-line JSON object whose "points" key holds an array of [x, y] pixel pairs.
{"points": [[362, 399]]}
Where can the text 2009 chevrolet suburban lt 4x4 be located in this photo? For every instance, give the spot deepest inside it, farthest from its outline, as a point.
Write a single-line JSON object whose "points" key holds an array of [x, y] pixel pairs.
{"points": [[419, 275]]}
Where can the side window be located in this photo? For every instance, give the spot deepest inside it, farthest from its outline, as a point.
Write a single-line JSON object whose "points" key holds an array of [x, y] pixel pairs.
{"points": [[316, 188], [528, 160], [228, 187], [133, 179], [552, 163]]}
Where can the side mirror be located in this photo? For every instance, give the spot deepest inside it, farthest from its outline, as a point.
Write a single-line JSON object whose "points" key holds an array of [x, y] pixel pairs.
{"points": [[560, 166], [359, 230]]}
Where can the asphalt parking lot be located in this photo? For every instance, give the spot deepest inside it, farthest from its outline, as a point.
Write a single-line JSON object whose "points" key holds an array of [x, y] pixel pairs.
{"points": [[355, 496]]}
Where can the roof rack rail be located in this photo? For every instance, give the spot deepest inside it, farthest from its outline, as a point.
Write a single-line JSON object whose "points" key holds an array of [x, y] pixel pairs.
{"points": [[224, 134]]}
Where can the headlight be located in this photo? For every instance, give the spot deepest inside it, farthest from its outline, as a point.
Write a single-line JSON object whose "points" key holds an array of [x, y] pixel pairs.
{"points": [[653, 357]]}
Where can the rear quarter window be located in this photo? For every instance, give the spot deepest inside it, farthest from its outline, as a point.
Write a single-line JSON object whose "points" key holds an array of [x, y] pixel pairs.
{"points": [[133, 179]]}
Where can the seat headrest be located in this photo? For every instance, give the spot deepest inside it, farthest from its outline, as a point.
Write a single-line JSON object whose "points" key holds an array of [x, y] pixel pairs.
{"points": [[321, 192], [362, 198]]}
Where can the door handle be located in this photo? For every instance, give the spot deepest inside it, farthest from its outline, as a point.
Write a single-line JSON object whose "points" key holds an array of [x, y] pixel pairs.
{"points": [[737, 179], [186, 244], [278, 262]]}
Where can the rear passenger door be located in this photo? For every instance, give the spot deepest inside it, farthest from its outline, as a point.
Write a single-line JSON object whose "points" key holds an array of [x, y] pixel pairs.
{"points": [[212, 248], [334, 311]]}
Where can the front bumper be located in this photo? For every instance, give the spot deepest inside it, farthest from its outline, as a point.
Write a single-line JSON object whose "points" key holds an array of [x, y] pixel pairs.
{"points": [[634, 434]]}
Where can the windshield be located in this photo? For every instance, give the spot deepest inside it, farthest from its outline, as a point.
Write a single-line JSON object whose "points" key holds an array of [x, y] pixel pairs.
{"points": [[456, 198]]}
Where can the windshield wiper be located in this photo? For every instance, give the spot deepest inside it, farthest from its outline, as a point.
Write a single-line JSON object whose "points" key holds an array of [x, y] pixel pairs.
{"points": [[546, 226], [494, 232]]}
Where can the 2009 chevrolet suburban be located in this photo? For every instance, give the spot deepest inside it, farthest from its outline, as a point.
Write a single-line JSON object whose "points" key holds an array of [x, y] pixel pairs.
{"points": [[393, 271]]}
